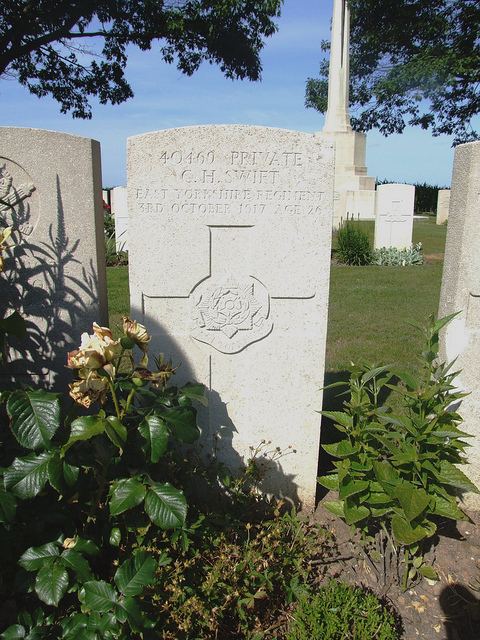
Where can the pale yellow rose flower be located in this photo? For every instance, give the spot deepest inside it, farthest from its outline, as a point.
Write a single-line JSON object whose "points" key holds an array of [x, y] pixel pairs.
{"points": [[95, 350], [137, 332], [92, 389]]}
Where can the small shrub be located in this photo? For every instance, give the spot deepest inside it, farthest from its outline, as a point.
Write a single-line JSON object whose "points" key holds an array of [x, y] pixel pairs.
{"points": [[339, 611], [393, 257], [397, 473], [353, 244]]}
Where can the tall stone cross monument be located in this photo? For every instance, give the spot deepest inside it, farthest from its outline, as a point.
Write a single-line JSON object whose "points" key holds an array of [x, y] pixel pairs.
{"points": [[354, 190]]}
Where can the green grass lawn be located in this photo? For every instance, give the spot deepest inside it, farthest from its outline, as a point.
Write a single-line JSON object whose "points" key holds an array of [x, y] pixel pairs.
{"points": [[118, 296], [368, 305]]}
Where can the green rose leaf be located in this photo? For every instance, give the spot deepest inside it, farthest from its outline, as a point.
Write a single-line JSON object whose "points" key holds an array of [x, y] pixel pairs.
{"points": [[51, 583], [115, 537], [27, 476], [166, 506], [413, 500], [73, 560], [105, 623], [84, 428], [8, 506], [128, 609], [14, 632], [181, 421], [135, 574], [116, 431], [98, 596], [75, 627], [194, 391], [125, 494], [156, 434], [34, 417], [37, 557], [55, 472]]}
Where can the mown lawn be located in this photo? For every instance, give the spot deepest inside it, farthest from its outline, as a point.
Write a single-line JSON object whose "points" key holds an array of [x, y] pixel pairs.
{"points": [[369, 306]]}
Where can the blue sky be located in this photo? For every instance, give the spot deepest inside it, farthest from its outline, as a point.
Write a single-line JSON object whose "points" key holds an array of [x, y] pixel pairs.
{"points": [[164, 99]]}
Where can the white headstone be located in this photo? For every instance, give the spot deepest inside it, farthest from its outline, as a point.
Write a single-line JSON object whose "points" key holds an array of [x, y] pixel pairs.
{"points": [[461, 292], [229, 269], [443, 205], [51, 185], [394, 216], [118, 197]]}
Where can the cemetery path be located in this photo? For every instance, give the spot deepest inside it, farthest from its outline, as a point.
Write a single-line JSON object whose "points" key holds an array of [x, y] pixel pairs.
{"points": [[448, 609]]}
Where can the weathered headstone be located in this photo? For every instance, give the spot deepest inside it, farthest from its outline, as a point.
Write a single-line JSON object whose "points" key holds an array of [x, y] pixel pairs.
{"points": [[229, 269], [50, 188], [443, 205], [118, 198], [394, 216], [461, 292]]}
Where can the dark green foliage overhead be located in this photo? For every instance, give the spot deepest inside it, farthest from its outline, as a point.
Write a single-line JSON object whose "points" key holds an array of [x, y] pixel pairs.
{"points": [[412, 62], [44, 44]]}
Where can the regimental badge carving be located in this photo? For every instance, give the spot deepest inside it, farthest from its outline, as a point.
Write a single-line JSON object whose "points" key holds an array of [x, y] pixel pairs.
{"points": [[232, 314], [12, 201]]}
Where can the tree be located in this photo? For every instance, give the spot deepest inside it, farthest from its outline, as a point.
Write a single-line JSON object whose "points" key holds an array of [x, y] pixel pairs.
{"points": [[43, 43], [414, 62]]}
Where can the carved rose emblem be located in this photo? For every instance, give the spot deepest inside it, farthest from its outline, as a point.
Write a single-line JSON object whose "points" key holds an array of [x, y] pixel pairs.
{"points": [[232, 315], [230, 309]]}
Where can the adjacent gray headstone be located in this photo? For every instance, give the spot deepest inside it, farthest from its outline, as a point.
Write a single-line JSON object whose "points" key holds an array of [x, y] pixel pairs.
{"points": [[229, 270], [443, 205], [461, 292], [394, 216], [50, 186]]}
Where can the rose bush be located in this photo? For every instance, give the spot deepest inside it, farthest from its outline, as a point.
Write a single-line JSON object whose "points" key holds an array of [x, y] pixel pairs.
{"points": [[83, 494]]}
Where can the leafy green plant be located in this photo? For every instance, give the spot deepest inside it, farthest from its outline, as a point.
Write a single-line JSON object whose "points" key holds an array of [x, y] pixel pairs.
{"points": [[339, 611], [396, 472], [81, 496], [393, 257], [353, 244]]}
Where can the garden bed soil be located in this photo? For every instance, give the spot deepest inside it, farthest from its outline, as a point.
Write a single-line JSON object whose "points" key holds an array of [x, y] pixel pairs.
{"points": [[447, 609]]}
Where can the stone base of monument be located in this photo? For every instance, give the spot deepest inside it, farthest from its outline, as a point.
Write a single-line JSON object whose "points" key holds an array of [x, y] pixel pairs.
{"points": [[354, 190]]}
